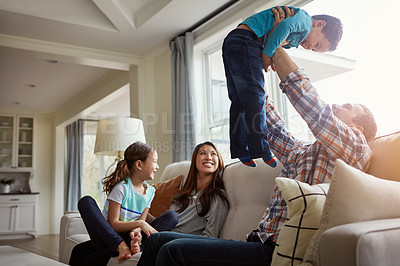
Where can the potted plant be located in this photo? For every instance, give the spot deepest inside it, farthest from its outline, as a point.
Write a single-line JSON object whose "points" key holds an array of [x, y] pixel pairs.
{"points": [[5, 184]]}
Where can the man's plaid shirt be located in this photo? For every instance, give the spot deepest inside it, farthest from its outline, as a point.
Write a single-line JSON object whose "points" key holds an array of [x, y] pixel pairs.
{"points": [[311, 163]]}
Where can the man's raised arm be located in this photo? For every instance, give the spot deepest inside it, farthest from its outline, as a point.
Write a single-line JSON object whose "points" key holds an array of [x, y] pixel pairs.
{"points": [[284, 65]]}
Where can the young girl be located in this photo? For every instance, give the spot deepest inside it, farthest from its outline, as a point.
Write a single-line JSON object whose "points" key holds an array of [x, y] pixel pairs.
{"points": [[202, 204], [118, 230]]}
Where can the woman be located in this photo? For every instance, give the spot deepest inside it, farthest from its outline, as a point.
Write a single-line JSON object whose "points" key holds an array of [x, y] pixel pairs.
{"points": [[202, 204]]}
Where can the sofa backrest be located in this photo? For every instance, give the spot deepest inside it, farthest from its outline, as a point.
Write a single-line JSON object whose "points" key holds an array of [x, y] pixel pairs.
{"points": [[249, 190], [385, 161], [174, 169]]}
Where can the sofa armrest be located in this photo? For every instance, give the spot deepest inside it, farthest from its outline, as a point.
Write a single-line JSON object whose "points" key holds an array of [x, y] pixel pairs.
{"points": [[365, 243], [72, 232]]}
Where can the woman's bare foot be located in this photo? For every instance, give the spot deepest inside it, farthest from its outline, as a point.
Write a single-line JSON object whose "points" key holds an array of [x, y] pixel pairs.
{"points": [[135, 245], [124, 251]]}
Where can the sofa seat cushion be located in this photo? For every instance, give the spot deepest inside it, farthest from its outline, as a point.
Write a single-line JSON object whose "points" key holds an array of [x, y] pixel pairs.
{"points": [[130, 262], [368, 243]]}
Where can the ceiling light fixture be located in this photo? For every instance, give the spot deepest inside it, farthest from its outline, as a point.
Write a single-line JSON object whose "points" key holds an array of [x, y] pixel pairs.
{"points": [[51, 61], [30, 85]]}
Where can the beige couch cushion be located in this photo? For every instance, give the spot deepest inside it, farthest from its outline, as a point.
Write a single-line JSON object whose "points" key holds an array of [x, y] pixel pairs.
{"points": [[355, 196], [369, 243], [386, 157], [174, 169], [249, 190]]}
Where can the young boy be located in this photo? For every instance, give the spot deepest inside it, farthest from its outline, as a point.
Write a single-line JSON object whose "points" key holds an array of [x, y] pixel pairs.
{"points": [[246, 51]]}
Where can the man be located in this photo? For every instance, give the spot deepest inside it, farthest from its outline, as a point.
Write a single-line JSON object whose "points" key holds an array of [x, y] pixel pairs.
{"points": [[341, 132]]}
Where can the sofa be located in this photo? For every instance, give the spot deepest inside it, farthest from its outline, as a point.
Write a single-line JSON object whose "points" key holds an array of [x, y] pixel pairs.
{"points": [[249, 190]]}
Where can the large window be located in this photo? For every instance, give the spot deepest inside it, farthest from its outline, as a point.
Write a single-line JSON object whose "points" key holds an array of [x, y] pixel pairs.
{"points": [[94, 166]]}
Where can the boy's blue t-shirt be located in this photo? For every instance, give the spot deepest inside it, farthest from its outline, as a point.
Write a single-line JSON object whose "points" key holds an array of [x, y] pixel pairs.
{"points": [[293, 29]]}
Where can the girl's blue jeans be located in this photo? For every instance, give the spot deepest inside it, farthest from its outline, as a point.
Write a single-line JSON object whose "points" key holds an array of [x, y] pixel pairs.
{"points": [[169, 248], [242, 56], [103, 238]]}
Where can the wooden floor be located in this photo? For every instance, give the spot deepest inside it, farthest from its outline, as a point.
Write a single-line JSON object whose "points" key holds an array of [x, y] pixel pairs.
{"points": [[43, 245]]}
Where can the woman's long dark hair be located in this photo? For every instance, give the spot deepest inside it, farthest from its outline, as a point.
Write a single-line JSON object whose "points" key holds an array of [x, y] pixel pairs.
{"points": [[124, 169], [215, 189]]}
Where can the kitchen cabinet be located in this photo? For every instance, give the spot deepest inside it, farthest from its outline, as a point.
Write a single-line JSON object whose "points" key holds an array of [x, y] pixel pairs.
{"points": [[18, 215], [16, 142]]}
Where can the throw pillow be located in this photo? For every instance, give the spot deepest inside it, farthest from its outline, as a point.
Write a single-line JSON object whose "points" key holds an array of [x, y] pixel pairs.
{"points": [[304, 209], [165, 192], [353, 197]]}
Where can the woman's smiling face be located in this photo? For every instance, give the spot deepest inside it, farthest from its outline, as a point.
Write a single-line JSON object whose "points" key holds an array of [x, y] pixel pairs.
{"points": [[207, 160]]}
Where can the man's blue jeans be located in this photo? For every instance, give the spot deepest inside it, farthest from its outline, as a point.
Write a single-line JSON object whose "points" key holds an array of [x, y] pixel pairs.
{"points": [[169, 248], [248, 131]]}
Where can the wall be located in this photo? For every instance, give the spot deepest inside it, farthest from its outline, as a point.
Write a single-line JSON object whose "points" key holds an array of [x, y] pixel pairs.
{"points": [[163, 109], [42, 181]]}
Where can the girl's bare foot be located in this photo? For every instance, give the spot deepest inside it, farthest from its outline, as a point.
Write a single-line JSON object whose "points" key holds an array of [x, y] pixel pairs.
{"points": [[135, 245], [124, 251]]}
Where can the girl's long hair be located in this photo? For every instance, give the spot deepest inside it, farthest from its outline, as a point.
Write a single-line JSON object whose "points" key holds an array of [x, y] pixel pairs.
{"points": [[215, 189], [124, 169]]}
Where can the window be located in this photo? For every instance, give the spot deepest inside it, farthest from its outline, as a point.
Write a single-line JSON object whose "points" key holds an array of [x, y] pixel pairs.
{"points": [[94, 166], [218, 116]]}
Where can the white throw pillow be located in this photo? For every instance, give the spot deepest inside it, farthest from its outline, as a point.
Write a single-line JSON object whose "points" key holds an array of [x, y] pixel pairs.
{"points": [[304, 207], [354, 196]]}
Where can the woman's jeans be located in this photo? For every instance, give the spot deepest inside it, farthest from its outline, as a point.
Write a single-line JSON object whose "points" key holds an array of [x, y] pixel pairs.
{"points": [[242, 56], [103, 238], [169, 248]]}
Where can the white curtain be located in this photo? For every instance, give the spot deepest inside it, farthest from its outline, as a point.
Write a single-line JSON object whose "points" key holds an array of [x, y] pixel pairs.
{"points": [[183, 102], [74, 164]]}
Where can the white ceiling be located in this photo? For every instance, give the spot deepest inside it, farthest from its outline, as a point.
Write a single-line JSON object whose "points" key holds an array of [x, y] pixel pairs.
{"points": [[71, 31]]}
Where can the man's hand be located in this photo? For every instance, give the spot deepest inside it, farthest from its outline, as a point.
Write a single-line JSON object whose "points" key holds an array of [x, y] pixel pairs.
{"points": [[279, 16]]}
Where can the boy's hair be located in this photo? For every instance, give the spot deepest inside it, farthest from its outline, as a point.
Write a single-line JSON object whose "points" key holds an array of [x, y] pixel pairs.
{"points": [[333, 29]]}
